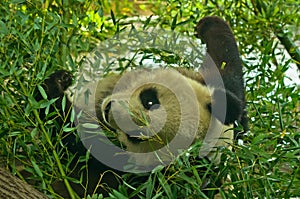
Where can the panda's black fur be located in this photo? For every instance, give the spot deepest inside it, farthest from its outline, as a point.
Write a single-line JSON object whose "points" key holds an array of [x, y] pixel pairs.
{"points": [[55, 87], [222, 48]]}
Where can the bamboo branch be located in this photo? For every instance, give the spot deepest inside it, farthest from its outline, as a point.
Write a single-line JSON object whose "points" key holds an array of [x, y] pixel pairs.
{"points": [[290, 46]]}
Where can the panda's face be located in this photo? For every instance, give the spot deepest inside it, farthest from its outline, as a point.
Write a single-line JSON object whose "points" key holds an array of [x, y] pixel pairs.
{"points": [[149, 108]]}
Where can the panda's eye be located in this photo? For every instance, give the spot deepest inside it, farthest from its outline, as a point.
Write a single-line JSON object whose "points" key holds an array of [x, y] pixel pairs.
{"points": [[149, 99]]}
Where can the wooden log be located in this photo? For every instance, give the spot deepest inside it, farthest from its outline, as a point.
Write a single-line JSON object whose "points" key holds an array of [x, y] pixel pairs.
{"points": [[14, 188]]}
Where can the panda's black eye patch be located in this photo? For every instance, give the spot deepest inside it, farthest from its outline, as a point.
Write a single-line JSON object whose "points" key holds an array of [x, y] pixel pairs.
{"points": [[149, 99]]}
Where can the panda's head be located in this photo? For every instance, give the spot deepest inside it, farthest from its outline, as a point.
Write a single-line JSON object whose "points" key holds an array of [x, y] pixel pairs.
{"points": [[151, 109]]}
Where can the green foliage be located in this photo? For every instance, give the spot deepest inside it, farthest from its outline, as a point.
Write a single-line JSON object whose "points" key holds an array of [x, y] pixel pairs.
{"points": [[40, 37]]}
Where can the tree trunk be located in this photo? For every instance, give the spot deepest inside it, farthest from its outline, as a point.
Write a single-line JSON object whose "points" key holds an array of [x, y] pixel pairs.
{"points": [[12, 187]]}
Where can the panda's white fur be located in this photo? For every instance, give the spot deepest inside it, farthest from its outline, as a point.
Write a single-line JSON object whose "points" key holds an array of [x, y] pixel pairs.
{"points": [[180, 97]]}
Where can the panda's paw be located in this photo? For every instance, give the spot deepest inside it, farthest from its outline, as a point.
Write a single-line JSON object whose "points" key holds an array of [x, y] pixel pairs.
{"points": [[62, 79], [57, 83]]}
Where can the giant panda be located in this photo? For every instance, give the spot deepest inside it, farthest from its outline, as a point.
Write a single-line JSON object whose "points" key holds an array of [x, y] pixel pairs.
{"points": [[144, 108]]}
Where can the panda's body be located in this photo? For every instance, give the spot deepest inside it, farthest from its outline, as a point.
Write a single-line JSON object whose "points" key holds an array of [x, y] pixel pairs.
{"points": [[151, 110], [179, 106]]}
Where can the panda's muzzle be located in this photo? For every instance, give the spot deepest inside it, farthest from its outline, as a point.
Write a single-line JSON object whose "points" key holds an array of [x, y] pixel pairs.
{"points": [[142, 134], [136, 136]]}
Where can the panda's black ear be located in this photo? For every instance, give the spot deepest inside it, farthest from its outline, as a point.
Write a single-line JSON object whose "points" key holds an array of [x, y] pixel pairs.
{"points": [[233, 109]]}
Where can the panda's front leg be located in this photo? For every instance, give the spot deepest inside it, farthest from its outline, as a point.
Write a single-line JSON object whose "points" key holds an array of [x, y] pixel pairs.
{"points": [[55, 86]]}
